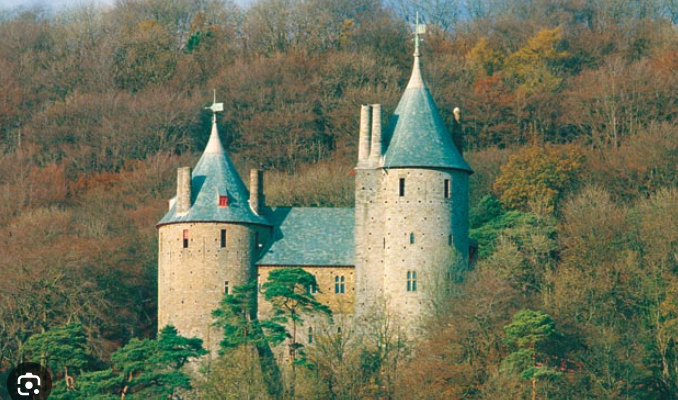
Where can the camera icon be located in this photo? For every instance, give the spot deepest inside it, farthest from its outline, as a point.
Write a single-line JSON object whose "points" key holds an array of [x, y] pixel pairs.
{"points": [[27, 382]]}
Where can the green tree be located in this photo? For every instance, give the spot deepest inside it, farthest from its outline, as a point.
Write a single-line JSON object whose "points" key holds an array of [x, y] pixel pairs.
{"points": [[530, 335], [287, 291], [62, 349], [243, 334], [144, 369]]}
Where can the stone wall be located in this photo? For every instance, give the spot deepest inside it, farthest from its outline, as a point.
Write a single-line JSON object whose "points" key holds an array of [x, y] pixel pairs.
{"points": [[339, 303], [192, 280]]}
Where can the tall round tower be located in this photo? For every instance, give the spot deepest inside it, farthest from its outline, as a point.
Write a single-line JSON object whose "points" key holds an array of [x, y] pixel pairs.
{"points": [[208, 241], [411, 207]]}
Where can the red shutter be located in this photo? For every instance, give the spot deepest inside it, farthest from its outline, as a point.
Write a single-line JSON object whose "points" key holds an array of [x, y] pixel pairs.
{"points": [[223, 201]]}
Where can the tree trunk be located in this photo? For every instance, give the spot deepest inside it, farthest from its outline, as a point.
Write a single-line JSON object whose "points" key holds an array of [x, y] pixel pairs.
{"points": [[534, 387]]}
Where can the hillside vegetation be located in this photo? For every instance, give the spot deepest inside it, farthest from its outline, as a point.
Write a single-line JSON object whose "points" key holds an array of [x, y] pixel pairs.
{"points": [[569, 110]]}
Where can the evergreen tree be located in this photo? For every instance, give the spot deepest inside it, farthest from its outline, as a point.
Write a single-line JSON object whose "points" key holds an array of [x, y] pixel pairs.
{"points": [[287, 291], [62, 349], [530, 335]]}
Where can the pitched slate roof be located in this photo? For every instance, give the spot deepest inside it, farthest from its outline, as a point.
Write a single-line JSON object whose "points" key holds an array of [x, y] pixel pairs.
{"points": [[310, 236], [215, 175], [416, 135]]}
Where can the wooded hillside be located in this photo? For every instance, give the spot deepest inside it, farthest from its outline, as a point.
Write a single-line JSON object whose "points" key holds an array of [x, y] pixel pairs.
{"points": [[569, 111]]}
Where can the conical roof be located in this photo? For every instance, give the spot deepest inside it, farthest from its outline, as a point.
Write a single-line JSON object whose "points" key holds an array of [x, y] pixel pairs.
{"points": [[416, 135], [213, 176]]}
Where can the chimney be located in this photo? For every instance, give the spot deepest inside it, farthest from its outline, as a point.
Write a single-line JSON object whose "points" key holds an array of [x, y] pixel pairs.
{"points": [[457, 136], [183, 190], [375, 152], [256, 190], [364, 141]]}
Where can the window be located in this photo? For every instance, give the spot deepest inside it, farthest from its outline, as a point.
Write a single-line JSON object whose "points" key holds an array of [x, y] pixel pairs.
{"points": [[226, 287], [223, 201], [310, 335], [449, 240], [412, 238], [401, 187], [185, 238], [223, 238], [339, 284], [447, 188], [411, 281], [312, 289], [339, 330]]}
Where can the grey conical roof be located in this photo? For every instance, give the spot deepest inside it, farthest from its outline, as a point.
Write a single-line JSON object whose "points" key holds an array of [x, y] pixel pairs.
{"points": [[215, 175], [416, 135]]}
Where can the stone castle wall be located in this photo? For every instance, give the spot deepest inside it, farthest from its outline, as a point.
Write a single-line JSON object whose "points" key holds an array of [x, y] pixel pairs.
{"points": [[192, 280], [423, 232]]}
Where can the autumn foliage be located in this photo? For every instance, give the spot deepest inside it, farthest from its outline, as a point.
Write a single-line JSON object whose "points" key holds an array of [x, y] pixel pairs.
{"points": [[569, 122]]}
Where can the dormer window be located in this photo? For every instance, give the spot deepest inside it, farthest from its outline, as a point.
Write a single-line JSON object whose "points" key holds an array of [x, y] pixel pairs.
{"points": [[223, 201]]}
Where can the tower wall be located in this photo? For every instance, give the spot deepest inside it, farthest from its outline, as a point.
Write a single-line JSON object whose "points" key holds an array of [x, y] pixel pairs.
{"points": [[192, 280], [426, 232], [369, 239]]}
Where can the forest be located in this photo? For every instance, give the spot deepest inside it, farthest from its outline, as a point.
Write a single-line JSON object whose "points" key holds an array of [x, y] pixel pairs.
{"points": [[570, 112]]}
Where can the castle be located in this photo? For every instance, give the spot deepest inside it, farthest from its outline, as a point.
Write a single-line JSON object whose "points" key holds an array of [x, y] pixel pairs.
{"points": [[407, 233]]}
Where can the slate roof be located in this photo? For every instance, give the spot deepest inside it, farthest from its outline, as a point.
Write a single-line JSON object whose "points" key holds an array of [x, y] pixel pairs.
{"points": [[416, 135], [310, 236], [215, 175]]}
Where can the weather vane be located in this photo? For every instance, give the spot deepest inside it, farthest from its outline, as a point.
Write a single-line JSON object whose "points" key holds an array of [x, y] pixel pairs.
{"points": [[215, 107], [419, 29]]}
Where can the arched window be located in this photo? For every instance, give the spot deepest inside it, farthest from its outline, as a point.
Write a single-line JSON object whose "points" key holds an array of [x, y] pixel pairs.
{"points": [[339, 284], [411, 281]]}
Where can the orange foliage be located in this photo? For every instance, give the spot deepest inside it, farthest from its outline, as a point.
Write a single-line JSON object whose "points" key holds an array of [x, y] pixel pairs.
{"points": [[539, 176]]}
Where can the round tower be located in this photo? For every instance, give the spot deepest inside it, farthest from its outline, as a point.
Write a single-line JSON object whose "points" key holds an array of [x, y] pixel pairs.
{"points": [[208, 242], [411, 207]]}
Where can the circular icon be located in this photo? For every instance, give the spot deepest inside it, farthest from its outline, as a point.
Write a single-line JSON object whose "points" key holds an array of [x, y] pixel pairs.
{"points": [[29, 381]]}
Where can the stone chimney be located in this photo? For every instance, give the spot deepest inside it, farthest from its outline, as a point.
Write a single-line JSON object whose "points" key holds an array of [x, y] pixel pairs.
{"points": [[364, 141], [457, 135], [183, 190], [375, 152], [257, 191]]}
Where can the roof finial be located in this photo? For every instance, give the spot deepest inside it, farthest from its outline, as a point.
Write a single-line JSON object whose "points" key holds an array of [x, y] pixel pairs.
{"points": [[214, 144], [419, 29], [215, 107]]}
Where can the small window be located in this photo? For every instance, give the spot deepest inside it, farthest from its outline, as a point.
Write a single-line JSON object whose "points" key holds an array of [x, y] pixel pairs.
{"points": [[312, 289], [449, 240], [339, 284], [339, 330], [185, 238], [412, 238], [223, 238], [226, 287], [310, 335], [411, 281], [401, 187], [223, 201], [447, 188]]}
